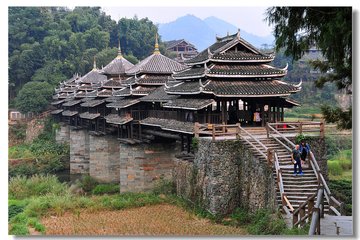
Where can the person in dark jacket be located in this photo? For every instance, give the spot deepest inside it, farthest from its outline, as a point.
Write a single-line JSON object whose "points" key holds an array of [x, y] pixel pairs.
{"points": [[295, 158], [304, 151]]}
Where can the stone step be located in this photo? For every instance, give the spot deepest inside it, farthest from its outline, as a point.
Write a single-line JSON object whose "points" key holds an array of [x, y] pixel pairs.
{"points": [[294, 187]]}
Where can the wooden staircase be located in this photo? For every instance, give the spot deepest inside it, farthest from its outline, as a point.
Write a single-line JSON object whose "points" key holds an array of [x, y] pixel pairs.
{"points": [[297, 188]]}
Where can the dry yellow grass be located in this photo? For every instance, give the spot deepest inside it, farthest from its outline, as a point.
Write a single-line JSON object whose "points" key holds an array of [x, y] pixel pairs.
{"points": [[156, 220]]}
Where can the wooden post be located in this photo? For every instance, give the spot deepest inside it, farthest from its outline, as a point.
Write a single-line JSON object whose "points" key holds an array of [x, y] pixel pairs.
{"points": [[269, 156], [300, 128], [295, 218], [213, 133], [310, 205], [139, 130], [182, 142], [322, 129], [237, 130], [267, 130], [196, 129], [302, 214], [188, 143]]}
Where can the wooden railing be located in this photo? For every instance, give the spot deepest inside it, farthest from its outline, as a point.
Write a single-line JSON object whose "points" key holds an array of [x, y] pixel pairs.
{"points": [[284, 200], [217, 130], [298, 127], [317, 213], [299, 216], [335, 206]]}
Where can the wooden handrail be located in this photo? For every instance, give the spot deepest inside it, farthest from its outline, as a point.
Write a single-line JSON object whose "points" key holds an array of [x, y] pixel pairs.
{"points": [[281, 135], [331, 200], [317, 213]]}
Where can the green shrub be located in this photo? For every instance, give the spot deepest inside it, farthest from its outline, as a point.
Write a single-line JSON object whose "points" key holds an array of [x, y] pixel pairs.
{"points": [[241, 216], [18, 229], [265, 223], [342, 191], [21, 187], [334, 168], [87, 183], [164, 186], [15, 210], [106, 189], [34, 222]]}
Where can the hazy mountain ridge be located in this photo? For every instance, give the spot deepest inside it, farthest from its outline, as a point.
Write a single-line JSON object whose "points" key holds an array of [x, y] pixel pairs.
{"points": [[202, 33]]}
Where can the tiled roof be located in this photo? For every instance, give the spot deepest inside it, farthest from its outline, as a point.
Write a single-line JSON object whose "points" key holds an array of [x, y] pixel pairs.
{"points": [[57, 111], [123, 103], [116, 119], [223, 45], [113, 99], [236, 88], [92, 103], [241, 55], [249, 88], [204, 55], [173, 43], [122, 93], [245, 70], [68, 113], [186, 87], [142, 91], [169, 125], [159, 95], [112, 84], [150, 79], [105, 93], [68, 89], [194, 72], [156, 63], [189, 103], [90, 116], [91, 94], [84, 87], [128, 81], [117, 66], [57, 102], [93, 76], [71, 103]]}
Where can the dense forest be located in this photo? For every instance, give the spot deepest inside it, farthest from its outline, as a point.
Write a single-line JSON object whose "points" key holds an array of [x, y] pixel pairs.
{"points": [[49, 44]]}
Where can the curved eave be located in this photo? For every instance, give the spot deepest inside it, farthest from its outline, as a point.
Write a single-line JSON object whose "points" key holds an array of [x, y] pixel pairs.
{"points": [[196, 63], [249, 96], [188, 77], [245, 76], [242, 60], [184, 93]]}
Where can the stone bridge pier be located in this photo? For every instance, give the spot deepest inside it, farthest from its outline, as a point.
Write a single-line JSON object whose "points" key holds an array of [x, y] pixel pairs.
{"points": [[135, 167], [79, 151], [62, 134]]}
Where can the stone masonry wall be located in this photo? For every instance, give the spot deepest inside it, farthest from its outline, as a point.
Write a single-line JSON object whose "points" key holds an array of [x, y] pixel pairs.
{"points": [[62, 134], [105, 158], [225, 175], [79, 151], [141, 165]]}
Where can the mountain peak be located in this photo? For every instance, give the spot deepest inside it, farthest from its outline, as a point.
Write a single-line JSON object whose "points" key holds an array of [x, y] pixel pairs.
{"points": [[202, 33]]}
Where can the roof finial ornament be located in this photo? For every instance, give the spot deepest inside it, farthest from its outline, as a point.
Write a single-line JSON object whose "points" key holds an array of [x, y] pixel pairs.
{"points": [[119, 50], [227, 33], [94, 67], [238, 34], [156, 50]]}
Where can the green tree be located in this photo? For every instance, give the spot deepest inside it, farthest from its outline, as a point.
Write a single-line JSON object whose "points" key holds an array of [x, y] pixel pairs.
{"points": [[328, 28], [34, 97]]}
